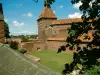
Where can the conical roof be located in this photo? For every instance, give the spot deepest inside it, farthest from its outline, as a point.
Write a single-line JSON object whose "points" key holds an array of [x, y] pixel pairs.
{"points": [[47, 13]]}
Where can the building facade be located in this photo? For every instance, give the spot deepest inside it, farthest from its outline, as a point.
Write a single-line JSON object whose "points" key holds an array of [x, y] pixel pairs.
{"points": [[2, 35]]}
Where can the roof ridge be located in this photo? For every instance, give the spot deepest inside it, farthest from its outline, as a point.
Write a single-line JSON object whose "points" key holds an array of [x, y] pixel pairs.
{"points": [[47, 13]]}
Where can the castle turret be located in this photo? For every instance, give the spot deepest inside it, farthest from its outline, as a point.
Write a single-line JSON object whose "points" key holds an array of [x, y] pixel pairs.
{"points": [[2, 37], [44, 21]]}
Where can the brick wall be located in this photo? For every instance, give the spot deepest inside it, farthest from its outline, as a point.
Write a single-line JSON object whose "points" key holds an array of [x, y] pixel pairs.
{"points": [[60, 31], [28, 46], [42, 25], [54, 45], [33, 46], [2, 36], [38, 45]]}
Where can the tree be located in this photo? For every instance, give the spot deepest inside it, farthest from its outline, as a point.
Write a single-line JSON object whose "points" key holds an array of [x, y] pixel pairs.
{"points": [[46, 2], [6, 30], [87, 56]]}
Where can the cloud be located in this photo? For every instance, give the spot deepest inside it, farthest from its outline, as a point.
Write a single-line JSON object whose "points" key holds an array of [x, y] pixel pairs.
{"points": [[23, 33], [54, 11], [18, 5], [61, 6], [77, 5], [6, 20], [17, 24], [75, 15], [29, 14]]}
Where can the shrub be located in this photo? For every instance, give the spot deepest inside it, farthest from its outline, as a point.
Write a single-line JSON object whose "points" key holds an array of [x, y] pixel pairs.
{"points": [[25, 39], [23, 51], [14, 45]]}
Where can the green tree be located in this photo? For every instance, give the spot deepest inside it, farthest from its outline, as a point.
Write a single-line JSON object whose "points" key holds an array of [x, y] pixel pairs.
{"points": [[33, 36], [6, 30], [46, 2], [87, 55]]}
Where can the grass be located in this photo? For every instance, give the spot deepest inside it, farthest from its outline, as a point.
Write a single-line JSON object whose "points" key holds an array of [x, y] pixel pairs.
{"points": [[53, 60]]}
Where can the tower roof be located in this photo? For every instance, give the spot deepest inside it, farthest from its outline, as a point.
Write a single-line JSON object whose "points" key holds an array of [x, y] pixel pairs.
{"points": [[47, 13]]}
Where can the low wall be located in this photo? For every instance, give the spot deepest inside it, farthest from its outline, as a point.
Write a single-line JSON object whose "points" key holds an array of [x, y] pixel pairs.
{"points": [[33, 46], [38, 45], [28, 46]]}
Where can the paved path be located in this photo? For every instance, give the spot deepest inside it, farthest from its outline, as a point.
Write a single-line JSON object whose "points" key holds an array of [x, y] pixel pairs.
{"points": [[13, 63]]}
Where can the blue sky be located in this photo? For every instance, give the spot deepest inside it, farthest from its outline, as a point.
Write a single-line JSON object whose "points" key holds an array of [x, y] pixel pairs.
{"points": [[22, 15]]}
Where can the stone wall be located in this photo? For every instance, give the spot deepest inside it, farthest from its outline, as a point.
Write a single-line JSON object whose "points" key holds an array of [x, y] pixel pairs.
{"points": [[33, 46], [28, 46], [54, 45], [38, 45], [2, 36], [60, 31], [42, 25]]}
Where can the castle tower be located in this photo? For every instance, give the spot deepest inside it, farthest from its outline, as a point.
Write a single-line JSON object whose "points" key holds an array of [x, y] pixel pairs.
{"points": [[2, 37], [44, 21]]}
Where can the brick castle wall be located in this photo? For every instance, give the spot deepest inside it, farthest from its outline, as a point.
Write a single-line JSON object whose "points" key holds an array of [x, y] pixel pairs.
{"points": [[2, 35], [54, 45], [42, 25]]}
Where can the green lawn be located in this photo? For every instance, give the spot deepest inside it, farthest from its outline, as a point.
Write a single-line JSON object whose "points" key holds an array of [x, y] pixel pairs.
{"points": [[53, 60]]}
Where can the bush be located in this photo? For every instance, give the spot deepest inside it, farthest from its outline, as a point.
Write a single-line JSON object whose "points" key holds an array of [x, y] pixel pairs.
{"points": [[23, 51], [14, 45], [25, 39]]}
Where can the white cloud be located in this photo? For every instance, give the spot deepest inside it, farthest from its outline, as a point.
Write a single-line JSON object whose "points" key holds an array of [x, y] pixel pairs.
{"points": [[54, 11], [61, 6], [17, 24], [29, 14], [19, 5], [75, 15], [23, 33], [6, 20], [77, 5]]}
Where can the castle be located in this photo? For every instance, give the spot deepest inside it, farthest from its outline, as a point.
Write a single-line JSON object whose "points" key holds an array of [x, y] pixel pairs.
{"points": [[52, 33]]}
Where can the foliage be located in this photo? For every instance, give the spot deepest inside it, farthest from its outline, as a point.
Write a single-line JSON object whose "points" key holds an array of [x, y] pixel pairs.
{"points": [[21, 36], [33, 36], [93, 71], [14, 45], [6, 30], [46, 2], [23, 51], [25, 39], [87, 55]]}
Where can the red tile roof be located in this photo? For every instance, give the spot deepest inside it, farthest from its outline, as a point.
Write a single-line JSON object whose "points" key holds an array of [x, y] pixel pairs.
{"points": [[47, 13], [66, 21]]}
